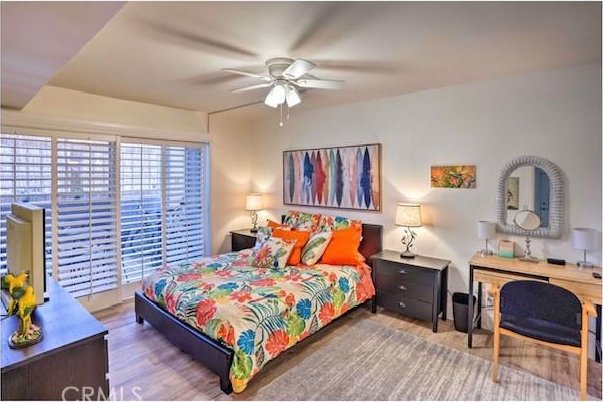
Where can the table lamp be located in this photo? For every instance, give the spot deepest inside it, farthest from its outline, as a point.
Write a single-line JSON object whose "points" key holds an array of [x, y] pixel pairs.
{"points": [[254, 204], [409, 216], [585, 239], [486, 230]]}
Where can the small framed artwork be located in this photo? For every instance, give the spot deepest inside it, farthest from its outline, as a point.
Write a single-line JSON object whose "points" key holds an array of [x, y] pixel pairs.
{"points": [[341, 177], [453, 176], [513, 193]]}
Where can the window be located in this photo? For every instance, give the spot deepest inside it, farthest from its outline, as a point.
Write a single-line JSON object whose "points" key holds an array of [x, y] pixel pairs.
{"points": [[141, 210], [86, 185], [185, 200], [162, 206], [25, 176]]}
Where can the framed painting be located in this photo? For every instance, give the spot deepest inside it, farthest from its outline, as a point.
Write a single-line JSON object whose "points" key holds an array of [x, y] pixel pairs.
{"points": [[340, 177], [457, 176]]}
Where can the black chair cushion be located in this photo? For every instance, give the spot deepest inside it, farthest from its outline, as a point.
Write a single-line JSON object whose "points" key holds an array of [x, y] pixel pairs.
{"points": [[542, 330]]}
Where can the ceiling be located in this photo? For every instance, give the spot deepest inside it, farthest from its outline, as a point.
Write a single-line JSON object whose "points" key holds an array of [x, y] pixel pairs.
{"points": [[39, 38], [172, 53]]}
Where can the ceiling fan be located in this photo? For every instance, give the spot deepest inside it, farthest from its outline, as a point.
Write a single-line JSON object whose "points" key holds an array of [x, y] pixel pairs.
{"points": [[287, 77]]}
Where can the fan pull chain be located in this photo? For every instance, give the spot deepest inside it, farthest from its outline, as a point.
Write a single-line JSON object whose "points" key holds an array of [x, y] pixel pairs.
{"points": [[288, 111], [281, 123]]}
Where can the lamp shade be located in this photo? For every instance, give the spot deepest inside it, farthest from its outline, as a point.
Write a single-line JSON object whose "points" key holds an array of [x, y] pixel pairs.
{"points": [[292, 96], [408, 215], [276, 96], [585, 239], [254, 202], [486, 230]]}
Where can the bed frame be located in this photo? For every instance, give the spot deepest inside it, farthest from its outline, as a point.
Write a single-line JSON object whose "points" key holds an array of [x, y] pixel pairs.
{"points": [[211, 353]]}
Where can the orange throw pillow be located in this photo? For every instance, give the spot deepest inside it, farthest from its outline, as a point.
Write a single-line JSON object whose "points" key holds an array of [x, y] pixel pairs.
{"points": [[301, 237], [343, 248]]}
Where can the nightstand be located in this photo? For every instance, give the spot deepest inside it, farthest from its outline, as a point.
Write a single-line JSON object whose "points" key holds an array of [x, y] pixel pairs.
{"points": [[242, 239], [415, 287]]}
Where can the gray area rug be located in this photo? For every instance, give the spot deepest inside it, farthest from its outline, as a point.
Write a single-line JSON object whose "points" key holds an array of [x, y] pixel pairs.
{"points": [[374, 362]]}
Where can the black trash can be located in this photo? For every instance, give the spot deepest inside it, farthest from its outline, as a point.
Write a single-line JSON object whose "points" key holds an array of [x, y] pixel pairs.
{"points": [[460, 310]]}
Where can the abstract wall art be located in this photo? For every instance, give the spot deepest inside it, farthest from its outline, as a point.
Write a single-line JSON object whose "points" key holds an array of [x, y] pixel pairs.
{"points": [[342, 177], [458, 176]]}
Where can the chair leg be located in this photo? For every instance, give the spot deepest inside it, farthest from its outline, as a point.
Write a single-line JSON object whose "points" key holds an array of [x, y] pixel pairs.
{"points": [[496, 352], [583, 373], [496, 349]]}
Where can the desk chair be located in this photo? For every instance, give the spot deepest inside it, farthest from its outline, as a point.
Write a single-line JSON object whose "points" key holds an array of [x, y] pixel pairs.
{"points": [[545, 314]]}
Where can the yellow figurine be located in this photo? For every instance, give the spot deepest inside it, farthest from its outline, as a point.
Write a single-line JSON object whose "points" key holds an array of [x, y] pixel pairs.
{"points": [[16, 287], [23, 303]]}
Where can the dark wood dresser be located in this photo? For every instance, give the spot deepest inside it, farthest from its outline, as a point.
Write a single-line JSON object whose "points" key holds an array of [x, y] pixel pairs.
{"points": [[71, 359], [242, 239], [415, 287]]}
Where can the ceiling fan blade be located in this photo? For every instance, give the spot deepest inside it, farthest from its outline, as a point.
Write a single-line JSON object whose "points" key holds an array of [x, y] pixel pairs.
{"points": [[298, 68], [182, 37], [320, 84], [247, 73], [250, 87], [373, 67]]}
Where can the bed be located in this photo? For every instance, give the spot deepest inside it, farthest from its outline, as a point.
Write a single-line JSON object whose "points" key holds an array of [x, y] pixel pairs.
{"points": [[234, 318]]}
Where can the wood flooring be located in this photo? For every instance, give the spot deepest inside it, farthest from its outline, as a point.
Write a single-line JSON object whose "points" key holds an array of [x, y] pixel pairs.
{"points": [[142, 363]]}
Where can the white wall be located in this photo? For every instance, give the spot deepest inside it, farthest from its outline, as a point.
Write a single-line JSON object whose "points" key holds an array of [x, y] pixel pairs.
{"points": [[554, 114], [230, 159]]}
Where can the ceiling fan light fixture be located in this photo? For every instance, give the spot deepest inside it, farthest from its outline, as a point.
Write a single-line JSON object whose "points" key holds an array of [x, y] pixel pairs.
{"points": [[276, 96], [284, 80], [292, 96]]}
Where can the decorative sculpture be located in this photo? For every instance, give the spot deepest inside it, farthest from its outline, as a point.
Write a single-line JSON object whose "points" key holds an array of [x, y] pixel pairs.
{"points": [[22, 303]]}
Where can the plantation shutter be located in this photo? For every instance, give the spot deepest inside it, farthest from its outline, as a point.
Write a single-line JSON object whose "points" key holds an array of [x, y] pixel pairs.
{"points": [[141, 210], [86, 202], [25, 176], [185, 196]]}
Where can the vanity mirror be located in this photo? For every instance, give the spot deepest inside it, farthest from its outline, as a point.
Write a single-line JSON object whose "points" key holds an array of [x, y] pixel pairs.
{"points": [[532, 184], [527, 221]]}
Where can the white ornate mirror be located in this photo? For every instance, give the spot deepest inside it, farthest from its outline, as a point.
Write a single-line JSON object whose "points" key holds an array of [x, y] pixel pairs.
{"points": [[535, 184]]}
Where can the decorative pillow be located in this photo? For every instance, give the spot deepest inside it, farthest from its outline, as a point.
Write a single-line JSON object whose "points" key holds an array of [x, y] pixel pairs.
{"points": [[261, 235], [272, 224], [273, 253], [315, 247], [327, 222], [343, 248], [302, 220], [266, 231], [300, 237]]}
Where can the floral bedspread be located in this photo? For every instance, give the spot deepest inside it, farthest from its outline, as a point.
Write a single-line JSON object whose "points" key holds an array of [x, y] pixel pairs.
{"points": [[257, 312]]}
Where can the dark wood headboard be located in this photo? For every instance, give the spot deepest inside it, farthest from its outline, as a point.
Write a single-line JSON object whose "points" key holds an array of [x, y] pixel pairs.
{"points": [[372, 240]]}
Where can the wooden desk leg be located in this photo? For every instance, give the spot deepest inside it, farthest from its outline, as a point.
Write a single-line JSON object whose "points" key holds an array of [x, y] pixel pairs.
{"points": [[470, 310]]}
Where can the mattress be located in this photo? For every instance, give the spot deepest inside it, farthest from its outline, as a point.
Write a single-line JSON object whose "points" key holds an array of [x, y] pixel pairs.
{"points": [[257, 312]]}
